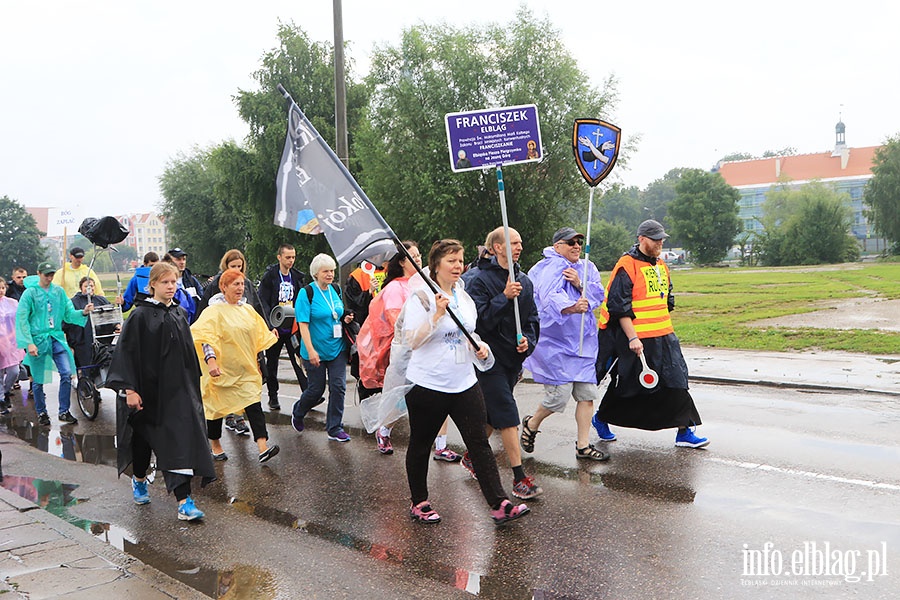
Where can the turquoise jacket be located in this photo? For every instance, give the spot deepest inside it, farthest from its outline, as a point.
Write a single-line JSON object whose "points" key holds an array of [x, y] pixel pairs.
{"points": [[39, 320]]}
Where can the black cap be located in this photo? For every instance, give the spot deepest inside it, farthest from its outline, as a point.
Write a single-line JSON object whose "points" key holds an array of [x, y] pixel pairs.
{"points": [[652, 229], [77, 252], [177, 253], [565, 233]]}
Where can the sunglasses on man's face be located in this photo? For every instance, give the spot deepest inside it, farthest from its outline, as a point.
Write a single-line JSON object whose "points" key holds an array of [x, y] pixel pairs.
{"points": [[574, 241]]}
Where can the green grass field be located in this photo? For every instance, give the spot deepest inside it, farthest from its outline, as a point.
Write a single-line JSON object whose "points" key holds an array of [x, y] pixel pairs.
{"points": [[716, 306]]}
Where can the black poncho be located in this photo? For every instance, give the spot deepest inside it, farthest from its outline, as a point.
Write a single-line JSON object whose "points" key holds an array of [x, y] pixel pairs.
{"points": [[155, 356]]}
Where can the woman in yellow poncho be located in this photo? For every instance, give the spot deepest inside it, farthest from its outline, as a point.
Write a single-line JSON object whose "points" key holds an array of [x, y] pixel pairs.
{"points": [[228, 336]]}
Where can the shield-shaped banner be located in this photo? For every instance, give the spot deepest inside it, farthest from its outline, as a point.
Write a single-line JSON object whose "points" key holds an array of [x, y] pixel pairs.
{"points": [[596, 146]]}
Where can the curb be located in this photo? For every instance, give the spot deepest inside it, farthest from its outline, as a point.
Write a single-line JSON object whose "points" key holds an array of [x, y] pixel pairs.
{"points": [[791, 385], [112, 573]]}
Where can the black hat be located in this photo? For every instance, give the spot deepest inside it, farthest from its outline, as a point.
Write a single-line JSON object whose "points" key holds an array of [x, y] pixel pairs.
{"points": [[177, 253], [77, 252], [652, 229], [565, 233]]}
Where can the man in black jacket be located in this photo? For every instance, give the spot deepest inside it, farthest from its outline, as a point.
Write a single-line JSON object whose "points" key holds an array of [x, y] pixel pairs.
{"points": [[494, 294], [279, 286], [189, 283], [16, 288]]}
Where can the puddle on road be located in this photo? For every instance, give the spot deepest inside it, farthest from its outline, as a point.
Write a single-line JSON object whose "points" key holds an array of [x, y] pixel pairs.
{"points": [[241, 582], [456, 577], [80, 447], [245, 581]]}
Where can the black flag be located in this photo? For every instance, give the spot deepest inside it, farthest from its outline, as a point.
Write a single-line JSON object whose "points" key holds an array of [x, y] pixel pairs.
{"points": [[316, 194]]}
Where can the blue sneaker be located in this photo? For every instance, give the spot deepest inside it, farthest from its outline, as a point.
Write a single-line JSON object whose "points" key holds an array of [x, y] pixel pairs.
{"points": [[189, 512], [296, 423], [687, 439], [139, 491], [340, 436], [603, 430]]}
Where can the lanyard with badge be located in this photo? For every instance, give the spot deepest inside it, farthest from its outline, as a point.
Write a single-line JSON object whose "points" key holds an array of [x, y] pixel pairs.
{"points": [[460, 350], [336, 330]]}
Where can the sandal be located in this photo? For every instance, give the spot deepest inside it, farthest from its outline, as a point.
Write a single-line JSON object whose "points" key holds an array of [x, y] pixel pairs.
{"points": [[590, 453], [527, 437], [423, 513], [507, 511]]}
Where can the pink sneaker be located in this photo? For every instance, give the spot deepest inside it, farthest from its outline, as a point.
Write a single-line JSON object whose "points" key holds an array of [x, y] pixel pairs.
{"points": [[384, 443], [507, 512], [446, 454]]}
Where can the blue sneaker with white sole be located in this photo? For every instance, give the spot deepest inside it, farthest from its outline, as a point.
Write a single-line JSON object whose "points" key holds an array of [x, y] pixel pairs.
{"points": [[188, 512], [603, 430], [139, 491], [687, 439]]}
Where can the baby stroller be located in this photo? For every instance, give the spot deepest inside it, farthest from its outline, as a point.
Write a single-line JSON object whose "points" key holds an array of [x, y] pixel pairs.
{"points": [[106, 323], [106, 320]]}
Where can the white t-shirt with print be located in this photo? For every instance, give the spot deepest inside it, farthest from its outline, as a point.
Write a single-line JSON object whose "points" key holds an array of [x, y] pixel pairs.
{"points": [[444, 361]]}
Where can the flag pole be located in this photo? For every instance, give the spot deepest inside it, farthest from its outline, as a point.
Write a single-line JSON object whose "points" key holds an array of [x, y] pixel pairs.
{"points": [[393, 236], [434, 288], [509, 259], [587, 254]]}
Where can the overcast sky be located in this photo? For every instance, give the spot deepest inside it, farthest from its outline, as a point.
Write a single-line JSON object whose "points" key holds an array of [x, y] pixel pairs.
{"points": [[97, 96]]}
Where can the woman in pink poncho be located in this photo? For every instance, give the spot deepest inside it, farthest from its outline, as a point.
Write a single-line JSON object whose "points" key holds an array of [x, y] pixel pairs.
{"points": [[374, 341], [10, 356]]}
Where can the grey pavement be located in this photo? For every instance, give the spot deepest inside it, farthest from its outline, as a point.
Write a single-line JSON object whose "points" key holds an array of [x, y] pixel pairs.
{"points": [[43, 556]]}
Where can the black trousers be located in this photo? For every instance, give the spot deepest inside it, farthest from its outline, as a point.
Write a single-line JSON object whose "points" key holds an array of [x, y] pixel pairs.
{"points": [[255, 416], [273, 355], [427, 411], [176, 483]]}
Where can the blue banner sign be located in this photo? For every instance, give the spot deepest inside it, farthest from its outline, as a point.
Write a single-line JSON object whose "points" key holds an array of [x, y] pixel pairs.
{"points": [[493, 137]]}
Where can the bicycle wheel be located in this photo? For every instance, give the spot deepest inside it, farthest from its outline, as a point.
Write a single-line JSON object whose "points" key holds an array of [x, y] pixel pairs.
{"points": [[88, 397]]}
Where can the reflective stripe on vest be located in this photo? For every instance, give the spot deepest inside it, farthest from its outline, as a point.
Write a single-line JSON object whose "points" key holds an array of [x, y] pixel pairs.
{"points": [[649, 289]]}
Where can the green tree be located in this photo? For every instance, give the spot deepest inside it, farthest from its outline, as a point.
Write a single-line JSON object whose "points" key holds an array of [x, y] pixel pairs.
{"points": [[198, 220], [608, 242], [806, 226], [437, 69], [659, 194], [621, 206], [882, 194], [306, 69], [704, 215], [224, 197], [733, 156], [19, 239]]}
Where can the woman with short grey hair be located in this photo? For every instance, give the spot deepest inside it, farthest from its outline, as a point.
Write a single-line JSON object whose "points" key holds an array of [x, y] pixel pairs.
{"points": [[319, 313]]}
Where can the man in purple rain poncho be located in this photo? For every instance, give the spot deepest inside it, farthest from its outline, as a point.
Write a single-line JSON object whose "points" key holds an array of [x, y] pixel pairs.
{"points": [[556, 362]]}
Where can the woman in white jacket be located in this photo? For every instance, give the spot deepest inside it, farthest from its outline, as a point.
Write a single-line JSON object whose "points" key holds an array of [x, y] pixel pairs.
{"points": [[444, 384]]}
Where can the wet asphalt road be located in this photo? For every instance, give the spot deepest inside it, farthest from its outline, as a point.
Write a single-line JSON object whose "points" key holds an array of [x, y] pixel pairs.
{"points": [[815, 475]]}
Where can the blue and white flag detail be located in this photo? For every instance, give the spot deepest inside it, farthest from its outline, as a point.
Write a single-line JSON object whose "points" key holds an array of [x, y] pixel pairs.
{"points": [[316, 194], [596, 146]]}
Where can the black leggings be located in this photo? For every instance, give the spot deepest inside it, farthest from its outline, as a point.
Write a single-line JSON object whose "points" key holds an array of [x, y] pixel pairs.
{"points": [[273, 356], [427, 411], [254, 415], [176, 483]]}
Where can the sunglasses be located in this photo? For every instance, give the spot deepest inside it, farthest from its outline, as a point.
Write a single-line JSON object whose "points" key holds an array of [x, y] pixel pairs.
{"points": [[574, 241]]}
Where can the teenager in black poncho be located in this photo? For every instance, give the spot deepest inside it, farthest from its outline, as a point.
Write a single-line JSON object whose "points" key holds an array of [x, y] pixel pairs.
{"points": [[157, 372]]}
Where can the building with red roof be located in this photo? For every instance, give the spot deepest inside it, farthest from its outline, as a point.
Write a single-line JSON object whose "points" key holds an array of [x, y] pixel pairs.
{"points": [[847, 169]]}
